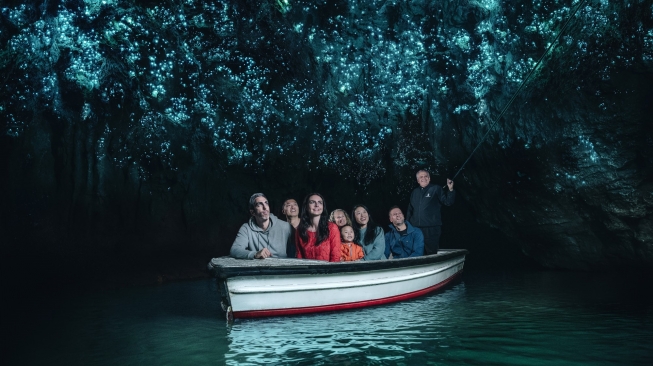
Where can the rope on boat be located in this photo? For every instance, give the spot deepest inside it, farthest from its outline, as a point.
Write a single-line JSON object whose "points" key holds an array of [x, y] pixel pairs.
{"points": [[521, 86]]}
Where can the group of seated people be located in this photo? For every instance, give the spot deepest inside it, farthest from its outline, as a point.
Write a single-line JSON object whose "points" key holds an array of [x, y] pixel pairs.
{"points": [[311, 233]]}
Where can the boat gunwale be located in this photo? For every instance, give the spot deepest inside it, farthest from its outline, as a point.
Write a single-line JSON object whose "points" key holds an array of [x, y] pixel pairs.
{"points": [[296, 267]]}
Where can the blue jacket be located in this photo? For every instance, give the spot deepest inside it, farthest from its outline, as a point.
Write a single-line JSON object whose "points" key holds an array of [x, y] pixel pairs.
{"points": [[410, 245]]}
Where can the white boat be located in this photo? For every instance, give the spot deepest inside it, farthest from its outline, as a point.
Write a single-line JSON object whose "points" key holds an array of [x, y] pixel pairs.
{"points": [[272, 287]]}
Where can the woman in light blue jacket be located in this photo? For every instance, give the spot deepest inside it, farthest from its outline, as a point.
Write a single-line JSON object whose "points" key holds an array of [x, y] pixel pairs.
{"points": [[368, 234]]}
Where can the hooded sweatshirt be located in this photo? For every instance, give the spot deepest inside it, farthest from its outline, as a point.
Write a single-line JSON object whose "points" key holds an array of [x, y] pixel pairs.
{"points": [[251, 238]]}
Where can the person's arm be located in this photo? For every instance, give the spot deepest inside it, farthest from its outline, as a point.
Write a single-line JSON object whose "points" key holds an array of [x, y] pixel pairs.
{"points": [[418, 244], [388, 238], [378, 247], [239, 249], [359, 251], [334, 243], [448, 195], [409, 210]]}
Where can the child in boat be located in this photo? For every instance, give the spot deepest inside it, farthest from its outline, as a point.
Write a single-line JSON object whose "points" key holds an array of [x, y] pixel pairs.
{"points": [[350, 250]]}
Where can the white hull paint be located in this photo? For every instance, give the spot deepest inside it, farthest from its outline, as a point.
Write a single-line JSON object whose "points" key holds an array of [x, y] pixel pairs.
{"points": [[346, 287]]}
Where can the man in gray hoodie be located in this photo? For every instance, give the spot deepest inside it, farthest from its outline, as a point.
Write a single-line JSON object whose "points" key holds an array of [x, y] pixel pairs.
{"points": [[264, 235]]}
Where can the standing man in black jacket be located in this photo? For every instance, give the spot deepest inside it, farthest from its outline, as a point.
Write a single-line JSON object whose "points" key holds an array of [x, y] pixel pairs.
{"points": [[424, 209]]}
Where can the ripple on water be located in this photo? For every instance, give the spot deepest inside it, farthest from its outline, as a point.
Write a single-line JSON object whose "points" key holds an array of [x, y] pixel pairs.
{"points": [[518, 318]]}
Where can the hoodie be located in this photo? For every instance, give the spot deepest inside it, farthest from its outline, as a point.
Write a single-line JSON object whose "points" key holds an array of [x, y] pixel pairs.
{"points": [[251, 238]]}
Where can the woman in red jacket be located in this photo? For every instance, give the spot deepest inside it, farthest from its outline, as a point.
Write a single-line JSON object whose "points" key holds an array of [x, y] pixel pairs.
{"points": [[316, 237]]}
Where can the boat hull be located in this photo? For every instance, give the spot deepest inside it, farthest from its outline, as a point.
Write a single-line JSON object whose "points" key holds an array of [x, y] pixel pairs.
{"points": [[298, 287]]}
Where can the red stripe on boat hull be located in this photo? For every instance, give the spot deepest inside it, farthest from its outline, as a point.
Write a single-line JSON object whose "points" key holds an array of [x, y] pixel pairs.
{"points": [[345, 306]]}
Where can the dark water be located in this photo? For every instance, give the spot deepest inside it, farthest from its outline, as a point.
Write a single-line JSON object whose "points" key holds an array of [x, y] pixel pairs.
{"points": [[499, 318]]}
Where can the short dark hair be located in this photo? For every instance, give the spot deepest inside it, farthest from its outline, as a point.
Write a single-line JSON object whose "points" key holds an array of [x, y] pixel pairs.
{"points": [[252, 200], [393, 207]]}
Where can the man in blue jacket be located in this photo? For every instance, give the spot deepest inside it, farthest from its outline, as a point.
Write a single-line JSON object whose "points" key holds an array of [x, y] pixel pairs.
{"points": [[403, 240], [424, 209]]}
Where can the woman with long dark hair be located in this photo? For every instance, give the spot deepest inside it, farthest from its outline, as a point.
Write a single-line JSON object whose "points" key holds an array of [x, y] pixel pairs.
{"points": [[368, 234], [316, 237]]}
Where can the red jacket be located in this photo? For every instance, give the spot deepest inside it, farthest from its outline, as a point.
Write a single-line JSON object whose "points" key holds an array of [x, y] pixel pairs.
{"points": [[328, 250]]}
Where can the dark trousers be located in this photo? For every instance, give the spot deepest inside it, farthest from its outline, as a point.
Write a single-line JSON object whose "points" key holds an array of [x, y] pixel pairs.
{"points": [[431, 238]]}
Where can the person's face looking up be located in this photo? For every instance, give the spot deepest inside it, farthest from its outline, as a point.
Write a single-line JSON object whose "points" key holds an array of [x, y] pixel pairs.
{"points": [[362, 217], [340, 219], [347, 233], [396, 217], [261, 209], [423, 178], [290, 208], [315, 205]]}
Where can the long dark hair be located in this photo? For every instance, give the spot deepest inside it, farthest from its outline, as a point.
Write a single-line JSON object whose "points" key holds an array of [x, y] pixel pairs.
{"points": [[322, 227], [370, 233]]}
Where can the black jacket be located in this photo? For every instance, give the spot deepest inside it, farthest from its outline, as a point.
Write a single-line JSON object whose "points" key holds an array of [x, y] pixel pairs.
{"points": [[425, 203]]}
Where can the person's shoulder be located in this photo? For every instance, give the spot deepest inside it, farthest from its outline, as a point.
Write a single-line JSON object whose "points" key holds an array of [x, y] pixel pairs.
{"points": [[434, 187], [285, 223], [278, 220], [333, 226], [246, 226]]}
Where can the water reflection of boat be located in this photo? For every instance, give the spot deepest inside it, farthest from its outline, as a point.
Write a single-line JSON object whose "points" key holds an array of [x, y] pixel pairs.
{"points": [[271, 287]]}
